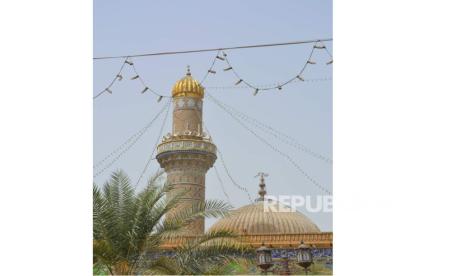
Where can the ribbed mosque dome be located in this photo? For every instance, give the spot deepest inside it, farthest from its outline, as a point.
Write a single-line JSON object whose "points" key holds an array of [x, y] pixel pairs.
{"points": [[252, 219], [188, 87], [265, 217]]}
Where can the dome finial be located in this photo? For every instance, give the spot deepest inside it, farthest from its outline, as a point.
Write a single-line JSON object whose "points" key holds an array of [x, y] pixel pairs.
{"points": [[188, 70], [262, 191]]}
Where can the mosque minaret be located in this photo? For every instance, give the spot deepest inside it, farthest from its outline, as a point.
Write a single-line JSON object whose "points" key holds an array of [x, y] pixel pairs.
{"points": [[187, 153]]}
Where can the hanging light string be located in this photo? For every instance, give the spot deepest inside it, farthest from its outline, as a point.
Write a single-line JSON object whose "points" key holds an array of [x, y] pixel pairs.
{"points": [[210, 70], [266, 85], [131, 144], [257, 89], [126, 149], [156, 144], [222, 185], [136, 135], [327, 51], [144, 84], [242, 188], [274, 148], [117, 77], [283, 137], [223, 57], [146, 88], [321, 45], [223, 163]]}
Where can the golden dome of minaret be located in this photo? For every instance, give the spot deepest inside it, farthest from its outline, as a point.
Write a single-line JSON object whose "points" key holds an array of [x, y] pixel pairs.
{"points": [[188, 87]]}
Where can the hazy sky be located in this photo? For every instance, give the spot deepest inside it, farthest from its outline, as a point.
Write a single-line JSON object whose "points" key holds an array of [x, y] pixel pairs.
{"points": [[301, 110]]}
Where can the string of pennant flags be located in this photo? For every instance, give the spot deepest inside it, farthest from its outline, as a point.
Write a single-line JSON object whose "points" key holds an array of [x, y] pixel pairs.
{"points": [[279, 86], [223, 56], [117, 77]]}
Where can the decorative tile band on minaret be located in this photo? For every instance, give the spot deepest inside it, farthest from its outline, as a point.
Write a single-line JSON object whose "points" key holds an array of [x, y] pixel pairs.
{"points": [[187, 153]]}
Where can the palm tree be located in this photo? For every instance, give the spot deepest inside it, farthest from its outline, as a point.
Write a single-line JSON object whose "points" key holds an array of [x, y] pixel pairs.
{"points": [[128, 225]]}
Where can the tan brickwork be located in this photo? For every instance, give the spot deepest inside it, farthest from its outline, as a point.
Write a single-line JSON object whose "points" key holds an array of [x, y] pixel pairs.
{"points": [[187, 116], [188, 179], [187, 153]]}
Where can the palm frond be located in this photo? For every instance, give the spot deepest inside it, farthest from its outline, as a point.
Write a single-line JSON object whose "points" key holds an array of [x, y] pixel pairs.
{"points": [[220, 268], [151, 208], [162, 265], [208, 253], [104, 254], [128, 225], [206, 209]]}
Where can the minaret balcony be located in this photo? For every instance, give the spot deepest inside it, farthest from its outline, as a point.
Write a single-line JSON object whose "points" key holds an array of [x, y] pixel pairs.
{"points": [[179, 145]]}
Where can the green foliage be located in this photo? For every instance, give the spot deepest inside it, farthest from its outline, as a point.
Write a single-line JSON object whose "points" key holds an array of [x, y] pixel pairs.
{"points": [[209, 254], [128, 224], [99, 269], [317, 268]]}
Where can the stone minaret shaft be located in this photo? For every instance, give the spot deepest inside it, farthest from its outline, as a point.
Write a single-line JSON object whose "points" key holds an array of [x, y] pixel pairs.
{"points": [[187, 153]]}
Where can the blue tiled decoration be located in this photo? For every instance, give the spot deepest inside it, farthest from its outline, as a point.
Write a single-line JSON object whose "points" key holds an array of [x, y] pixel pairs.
{"points": [[291, 253]]}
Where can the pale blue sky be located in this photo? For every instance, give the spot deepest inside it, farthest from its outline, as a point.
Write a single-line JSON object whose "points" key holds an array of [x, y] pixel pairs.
{"points": [[302, 110]]}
